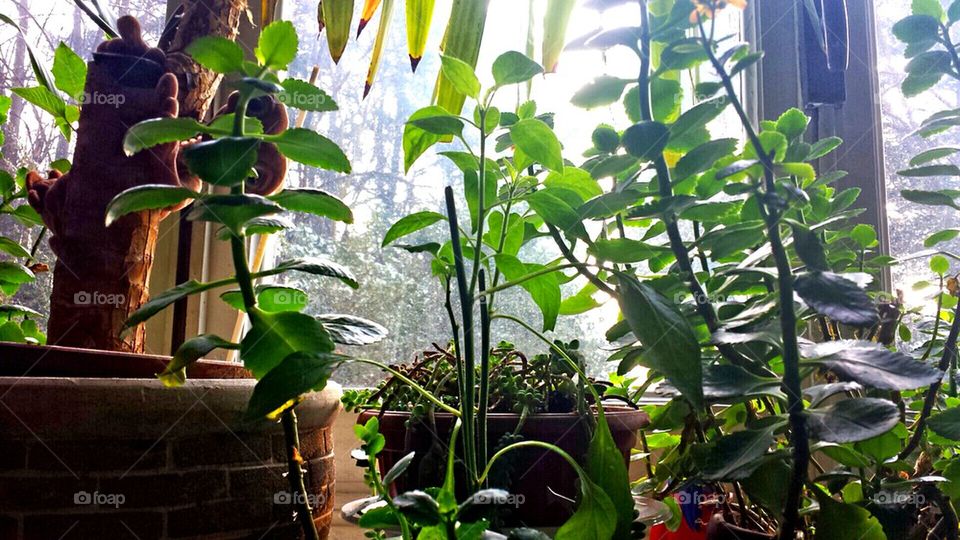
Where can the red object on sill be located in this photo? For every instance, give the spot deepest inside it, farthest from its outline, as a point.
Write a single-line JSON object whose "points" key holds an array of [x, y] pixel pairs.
{"points": [[685, 531]]}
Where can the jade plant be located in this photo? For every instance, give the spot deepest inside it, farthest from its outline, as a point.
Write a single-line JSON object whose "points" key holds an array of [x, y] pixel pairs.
{"points": [[721, 254], [289, 352]]}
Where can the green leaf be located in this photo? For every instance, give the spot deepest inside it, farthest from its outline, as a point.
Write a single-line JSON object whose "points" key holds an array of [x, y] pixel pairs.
{"points": [[602, 91], [544, 289], [823, 147], [351, 330], [852, 420], [232, 211], [939, 264], [13, 248], [147, 197], [703, 157], [150, 133], [283, 386], [870, 364], [535, 139], [305, 96], [277, 46], [931, 170], [625, 250], [460, 75], [940, 236], [551, 205], [864, 235], [275, 336], [574, 179], [270, 298], [11, 332], [916, 28], [443, 125], [513, 67], [792, 123], [670, 345], [737, 455], [645, 140], [953, 15], [192, 350], [410, 224], [318, 266], [592, 519], [933, 154], [731, 384], [606, 469], [581, 302], [809, 248], [946, 424], [840, 520], [227, 161], [310, 148], [693, 121], [417, 140], [158, 302], [313, 201], [666, 97], [836, 297], [217, 54], [471, 188], [928, 7], [69, 71], [929, 198], [12, 272]]}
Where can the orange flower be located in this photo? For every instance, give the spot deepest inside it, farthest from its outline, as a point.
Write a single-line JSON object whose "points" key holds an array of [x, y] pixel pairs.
{"points": [[707, 8]]}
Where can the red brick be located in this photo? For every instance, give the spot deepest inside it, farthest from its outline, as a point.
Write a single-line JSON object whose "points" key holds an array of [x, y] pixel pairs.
{"points": [[28, 491], [167, 489], [221, 448], [313, 444], [97, 455], [97, 526], [258, 482], [219, 517]]}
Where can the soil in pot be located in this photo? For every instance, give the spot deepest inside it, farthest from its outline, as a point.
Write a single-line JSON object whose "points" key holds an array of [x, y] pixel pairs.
{"points": [[91, 443], [542, 485]]}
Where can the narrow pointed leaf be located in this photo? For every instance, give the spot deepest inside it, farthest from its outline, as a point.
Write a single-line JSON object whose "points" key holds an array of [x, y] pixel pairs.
{"points": [[337, 16], [419, 15]]}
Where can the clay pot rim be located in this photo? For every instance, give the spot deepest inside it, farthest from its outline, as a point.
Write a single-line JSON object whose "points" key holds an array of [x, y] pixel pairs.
{"points": [[25, 360]]}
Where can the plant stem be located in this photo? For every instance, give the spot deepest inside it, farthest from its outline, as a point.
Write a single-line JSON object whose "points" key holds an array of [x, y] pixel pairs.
{"points": [[700, 298], [949, 354], [466, 309], [406, 380], [289, 418], [295, 476], [484, 371], [580, 266]]}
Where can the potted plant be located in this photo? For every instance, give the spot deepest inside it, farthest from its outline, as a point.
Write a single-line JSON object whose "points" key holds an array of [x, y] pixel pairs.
{"points": [[164, 467]]}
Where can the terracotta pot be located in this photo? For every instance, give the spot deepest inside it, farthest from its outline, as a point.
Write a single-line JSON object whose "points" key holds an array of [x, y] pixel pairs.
{"points": [[92, 445], [543, 484]]}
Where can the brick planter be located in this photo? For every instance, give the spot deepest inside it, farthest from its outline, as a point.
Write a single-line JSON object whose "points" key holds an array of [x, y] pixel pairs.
{"points": [[127, 458]]}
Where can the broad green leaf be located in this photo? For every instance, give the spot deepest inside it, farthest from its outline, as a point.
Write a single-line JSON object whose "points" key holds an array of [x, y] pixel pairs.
{"points": [[574, 179], [275, 336], [277, 46], [645, 140], [13, 248], [737, 455], [441, 124], [916, 28], [670, 345], [731, 384], [870, 364], [683, 132], [69, 71], [150, 133], [625, 250], [864, 235], [544, 289], [592, 519], [146, 197], [227, 161], [305, 96], [946, 424], [538, 141], [823, 147], [939, 264], [606, 469], [703, 157], [351, 330], [513, 67], [792, 123], [600, 92], [313, 201], [417, 140], [310, 148], [556, 210], [852, 420], [410, 224], [940, 236], [284, 385], [192, 350], [461, 76], [217, 54], [232, 211], [837, 297], [12, 272], [841, 520], [270, 298], [581, 302]]}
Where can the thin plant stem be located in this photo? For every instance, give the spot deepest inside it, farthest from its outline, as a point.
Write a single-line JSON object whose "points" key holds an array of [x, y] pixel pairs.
{"points": [[484, 401]]}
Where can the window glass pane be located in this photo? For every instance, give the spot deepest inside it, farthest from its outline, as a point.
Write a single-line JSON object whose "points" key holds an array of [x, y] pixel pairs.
{"points": [[31, 140], [909, 223], [397, 288]]}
